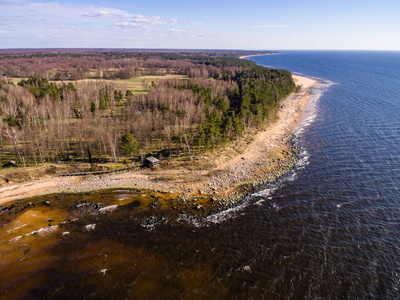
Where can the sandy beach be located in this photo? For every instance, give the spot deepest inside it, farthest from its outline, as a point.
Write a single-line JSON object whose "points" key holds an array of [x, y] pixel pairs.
{"points": [[245, 56], [264, 158]]}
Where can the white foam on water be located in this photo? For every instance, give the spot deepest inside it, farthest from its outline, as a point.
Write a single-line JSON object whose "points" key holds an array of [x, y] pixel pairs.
{"points": [[234, 211], [16, 238], [276, 206], [45, 230], [41, 232], [310, 112], [90, 227], [16, 228], [216, 218], [265, 193], [341, 204], [309, 116], [303, 159], [106, 209], [123, 197], [260, 202], [292, 177], [190, 220], [228, 213]]}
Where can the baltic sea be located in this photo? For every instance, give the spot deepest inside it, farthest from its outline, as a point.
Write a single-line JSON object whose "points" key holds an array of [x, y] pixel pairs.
{"points": [[333, 229]]}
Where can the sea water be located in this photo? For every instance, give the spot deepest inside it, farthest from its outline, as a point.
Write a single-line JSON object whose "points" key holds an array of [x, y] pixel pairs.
{"points": [[337, 232]]}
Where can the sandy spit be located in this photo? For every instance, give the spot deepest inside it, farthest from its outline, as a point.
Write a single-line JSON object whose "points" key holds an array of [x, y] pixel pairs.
{"points": [[245, 56]]}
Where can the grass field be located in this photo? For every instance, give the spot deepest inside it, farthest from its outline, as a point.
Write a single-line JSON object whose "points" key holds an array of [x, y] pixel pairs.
{"points": [[135, 84]]}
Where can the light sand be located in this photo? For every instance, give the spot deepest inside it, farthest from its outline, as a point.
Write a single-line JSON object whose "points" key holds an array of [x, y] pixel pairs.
{"points": [[232, 167], [245, 56], [26, 190]]}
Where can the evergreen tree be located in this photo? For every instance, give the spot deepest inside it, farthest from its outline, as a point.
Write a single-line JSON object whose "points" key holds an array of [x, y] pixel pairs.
{"points": [[92, 107], [129, 144]]}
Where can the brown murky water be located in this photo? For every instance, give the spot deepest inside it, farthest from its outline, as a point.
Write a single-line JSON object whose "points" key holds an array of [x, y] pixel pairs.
{"points": [[96, 244]]}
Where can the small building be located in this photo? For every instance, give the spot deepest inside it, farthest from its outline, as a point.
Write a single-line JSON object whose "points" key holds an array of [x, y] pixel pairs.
{"points": [[151, 162], [3, 77]]}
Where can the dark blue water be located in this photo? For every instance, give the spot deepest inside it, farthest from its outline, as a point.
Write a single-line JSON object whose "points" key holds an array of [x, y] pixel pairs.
{"points": [[336, 225]]}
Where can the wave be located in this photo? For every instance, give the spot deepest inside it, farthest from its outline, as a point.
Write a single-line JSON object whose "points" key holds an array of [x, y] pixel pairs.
{"points": [[228, 213]]}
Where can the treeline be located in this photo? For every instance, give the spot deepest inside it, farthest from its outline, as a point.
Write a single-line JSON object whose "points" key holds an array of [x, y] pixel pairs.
{"points": [[126, 53], [112, 64], [43, 121]]}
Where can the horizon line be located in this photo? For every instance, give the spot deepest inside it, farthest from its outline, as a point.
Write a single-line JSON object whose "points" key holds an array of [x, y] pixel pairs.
{"points": [[190, 49]]}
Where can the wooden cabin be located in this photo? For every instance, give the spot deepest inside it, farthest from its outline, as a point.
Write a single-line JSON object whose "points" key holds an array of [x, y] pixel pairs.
{"points": [[151, 162]]}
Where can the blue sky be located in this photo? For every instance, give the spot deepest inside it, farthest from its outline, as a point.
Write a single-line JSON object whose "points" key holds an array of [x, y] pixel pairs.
{"points": [[206, 24]]}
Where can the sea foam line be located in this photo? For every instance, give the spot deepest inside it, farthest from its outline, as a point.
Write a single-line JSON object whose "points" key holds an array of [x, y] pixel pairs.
{"points": [[310, 111], [41, 231]]}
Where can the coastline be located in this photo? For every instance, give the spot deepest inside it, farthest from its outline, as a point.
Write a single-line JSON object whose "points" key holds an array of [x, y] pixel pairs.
{"points": [[245, 56], [235, 170]]}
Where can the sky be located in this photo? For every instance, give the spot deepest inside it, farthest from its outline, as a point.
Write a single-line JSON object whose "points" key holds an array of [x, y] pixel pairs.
{"points": [[206, 24]]}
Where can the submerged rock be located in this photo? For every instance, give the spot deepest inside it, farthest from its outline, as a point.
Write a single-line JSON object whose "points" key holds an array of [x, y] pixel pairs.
{"points": [[198, 207], [90, 227]]}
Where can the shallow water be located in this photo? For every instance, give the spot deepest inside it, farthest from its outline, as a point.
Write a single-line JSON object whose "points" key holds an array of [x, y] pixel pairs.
{"points": [[330, 229]]}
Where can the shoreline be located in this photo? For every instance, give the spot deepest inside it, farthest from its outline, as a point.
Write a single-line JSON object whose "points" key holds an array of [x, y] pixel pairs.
{"points": [[245, 56], [236, 170]]}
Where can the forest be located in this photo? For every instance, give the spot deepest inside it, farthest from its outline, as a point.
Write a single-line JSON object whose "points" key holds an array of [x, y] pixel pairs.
{"points": [[121, 106]]}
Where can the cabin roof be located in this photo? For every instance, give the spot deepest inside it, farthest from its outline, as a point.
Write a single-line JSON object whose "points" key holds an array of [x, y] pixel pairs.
{"points": [[153, 160]]}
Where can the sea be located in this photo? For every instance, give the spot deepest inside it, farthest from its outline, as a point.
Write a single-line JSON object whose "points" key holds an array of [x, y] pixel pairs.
{"points": [[332, 230], [329, 229]]}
